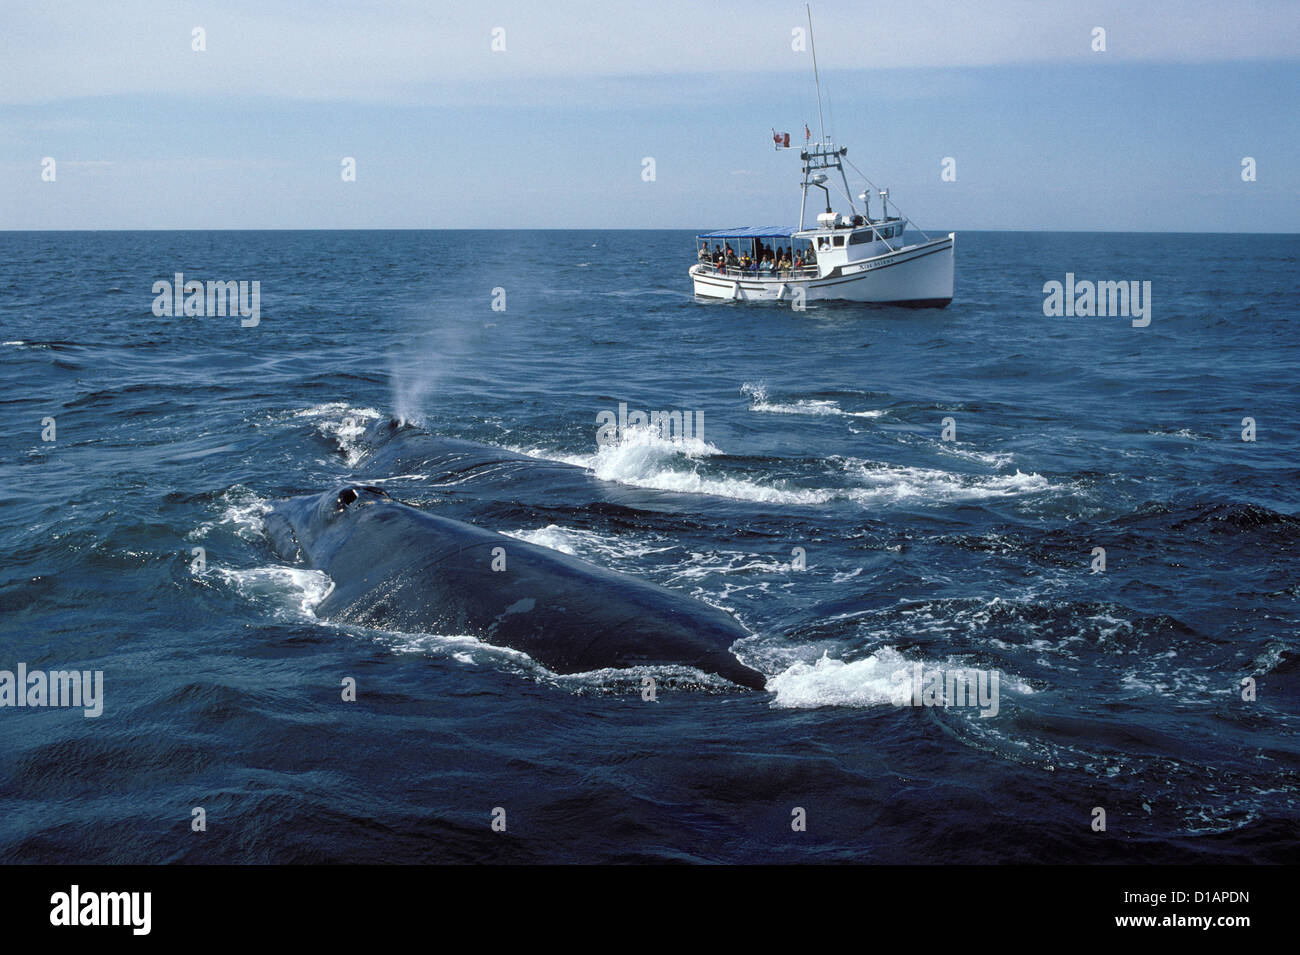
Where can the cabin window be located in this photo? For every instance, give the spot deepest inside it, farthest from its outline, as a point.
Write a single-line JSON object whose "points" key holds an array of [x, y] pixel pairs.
{"points": [[839, 241]]}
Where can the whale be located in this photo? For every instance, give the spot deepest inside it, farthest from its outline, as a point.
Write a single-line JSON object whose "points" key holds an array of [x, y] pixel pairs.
{"points": [[393, 447], [398, 567]]}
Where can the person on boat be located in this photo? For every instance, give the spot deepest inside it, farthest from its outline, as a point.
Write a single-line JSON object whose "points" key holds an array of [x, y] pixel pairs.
{"points": [[704, 252], [732, 261], [798, 260]]}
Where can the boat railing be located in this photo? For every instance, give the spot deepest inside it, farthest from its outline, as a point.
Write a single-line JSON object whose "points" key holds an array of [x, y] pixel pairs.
{"points": [[735, 272]]}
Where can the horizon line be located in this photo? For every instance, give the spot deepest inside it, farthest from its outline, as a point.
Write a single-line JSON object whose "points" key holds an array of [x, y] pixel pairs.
{"points": [[657, 229]]}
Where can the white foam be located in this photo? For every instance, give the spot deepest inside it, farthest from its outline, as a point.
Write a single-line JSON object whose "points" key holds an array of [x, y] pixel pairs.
{"points": [[884, 677], [609, 678], [243, 509], [648, 461], [885, 483], [458, 646], [692, 482], [345, 424], [700, 565], [246, 510], [590, 545], [997, 459], [801, 406], [332, 409], [1269, 658], [810, 406], [644, 459], [551, 536], [298, 590]]}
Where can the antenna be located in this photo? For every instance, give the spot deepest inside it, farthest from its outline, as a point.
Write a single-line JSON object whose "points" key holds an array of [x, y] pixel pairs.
{"points": [[816, 77]]}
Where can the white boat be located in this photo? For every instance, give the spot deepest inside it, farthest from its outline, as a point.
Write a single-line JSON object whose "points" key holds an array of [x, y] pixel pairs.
{"points": [[850, 258], [847, 256]]}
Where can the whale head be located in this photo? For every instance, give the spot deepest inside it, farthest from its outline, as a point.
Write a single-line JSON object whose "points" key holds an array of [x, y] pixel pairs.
{"points": [[300, 526], [385, 428]]}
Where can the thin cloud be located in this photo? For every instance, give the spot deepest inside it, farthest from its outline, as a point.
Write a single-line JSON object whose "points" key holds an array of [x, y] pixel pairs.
{"points": [[409, 51]]}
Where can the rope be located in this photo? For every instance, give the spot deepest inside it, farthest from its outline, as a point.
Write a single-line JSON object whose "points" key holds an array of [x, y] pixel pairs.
{"points": [[877, 188]]}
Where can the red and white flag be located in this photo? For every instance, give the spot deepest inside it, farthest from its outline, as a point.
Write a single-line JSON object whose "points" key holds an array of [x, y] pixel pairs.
{"points": [[782, 140], [807, 133]]}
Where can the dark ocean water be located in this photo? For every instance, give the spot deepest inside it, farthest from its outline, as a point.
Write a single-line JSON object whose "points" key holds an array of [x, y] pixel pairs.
{"points": [[822, 430]]}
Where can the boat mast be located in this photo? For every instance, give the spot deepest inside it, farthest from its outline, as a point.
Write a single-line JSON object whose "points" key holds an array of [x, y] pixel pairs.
{"points": [[820, 152], [821, 122]]}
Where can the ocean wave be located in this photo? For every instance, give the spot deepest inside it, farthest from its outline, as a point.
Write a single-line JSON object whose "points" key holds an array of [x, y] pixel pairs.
{"points": [[883, 483], [995, 459], [643, 458], [646, 460], [801, 406]]}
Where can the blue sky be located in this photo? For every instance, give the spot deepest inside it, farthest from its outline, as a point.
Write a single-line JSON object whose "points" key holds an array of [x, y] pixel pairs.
{"points": [[551, 133]]}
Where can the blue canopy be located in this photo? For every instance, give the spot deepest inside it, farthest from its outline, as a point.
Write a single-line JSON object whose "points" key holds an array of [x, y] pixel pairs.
{"points": [[754, 232]]}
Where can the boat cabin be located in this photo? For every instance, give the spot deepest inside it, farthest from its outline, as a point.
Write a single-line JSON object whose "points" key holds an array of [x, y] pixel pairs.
{"points": [[837, 241], [746, 249]]}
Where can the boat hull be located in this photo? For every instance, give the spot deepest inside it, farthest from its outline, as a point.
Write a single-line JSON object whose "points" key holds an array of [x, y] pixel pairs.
{"points": [[919, 276]]}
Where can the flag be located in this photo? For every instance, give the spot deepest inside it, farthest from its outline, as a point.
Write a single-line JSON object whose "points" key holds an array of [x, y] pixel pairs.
{"points": [[781, 139], [807, 133]]}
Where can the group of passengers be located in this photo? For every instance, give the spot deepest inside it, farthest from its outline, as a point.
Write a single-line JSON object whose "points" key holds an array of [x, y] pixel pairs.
{"points": [[764, 261]]}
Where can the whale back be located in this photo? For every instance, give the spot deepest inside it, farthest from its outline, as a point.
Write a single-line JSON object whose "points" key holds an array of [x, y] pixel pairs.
{"points": [[400, 568]]}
